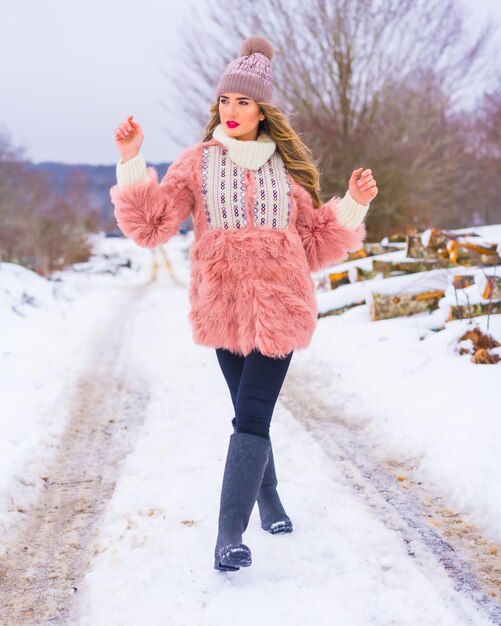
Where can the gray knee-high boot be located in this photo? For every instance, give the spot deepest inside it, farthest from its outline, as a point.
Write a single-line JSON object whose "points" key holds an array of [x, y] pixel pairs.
{"points": [[274, 519], [243, 473]]}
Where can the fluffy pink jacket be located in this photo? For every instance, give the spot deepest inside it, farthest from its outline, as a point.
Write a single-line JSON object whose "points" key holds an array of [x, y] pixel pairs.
{"points": [[250, 287]]}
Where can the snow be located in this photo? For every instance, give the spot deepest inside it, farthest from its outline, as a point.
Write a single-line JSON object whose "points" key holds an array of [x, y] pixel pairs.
{"points": [[422, 399], [403, 382], [45, 324], [419, 396], [33, 376]]}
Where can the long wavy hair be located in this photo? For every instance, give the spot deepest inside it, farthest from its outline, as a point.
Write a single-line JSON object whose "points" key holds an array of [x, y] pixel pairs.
{"points": [[295, 153]]}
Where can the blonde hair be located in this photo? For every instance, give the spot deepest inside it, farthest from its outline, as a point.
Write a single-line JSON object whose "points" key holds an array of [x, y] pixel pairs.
{"points": [[296, 155]]}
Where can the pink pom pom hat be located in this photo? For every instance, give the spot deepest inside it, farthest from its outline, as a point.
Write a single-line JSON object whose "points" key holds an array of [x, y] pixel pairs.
{"points": [[251, 72]]}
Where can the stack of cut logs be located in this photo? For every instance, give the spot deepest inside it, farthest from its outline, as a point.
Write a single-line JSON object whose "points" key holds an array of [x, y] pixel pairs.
{"points": [[476, 291]]}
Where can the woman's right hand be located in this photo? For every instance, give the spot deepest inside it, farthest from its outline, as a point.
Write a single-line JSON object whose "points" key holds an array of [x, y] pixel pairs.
{"points": [[128, 138]]}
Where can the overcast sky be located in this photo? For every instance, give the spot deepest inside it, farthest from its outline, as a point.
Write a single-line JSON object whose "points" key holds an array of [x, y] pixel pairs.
{"points": [[71, 71]]}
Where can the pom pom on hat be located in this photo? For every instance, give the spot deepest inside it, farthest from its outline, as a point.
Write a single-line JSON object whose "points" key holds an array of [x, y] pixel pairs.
{"points": [[255, 43]]}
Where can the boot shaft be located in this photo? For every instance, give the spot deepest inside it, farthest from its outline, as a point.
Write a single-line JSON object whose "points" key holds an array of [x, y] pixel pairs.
{"points": [[246, 461]]}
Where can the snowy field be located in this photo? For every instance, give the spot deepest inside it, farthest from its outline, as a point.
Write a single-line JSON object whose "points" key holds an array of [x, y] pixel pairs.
{"points": [[403, 383]]}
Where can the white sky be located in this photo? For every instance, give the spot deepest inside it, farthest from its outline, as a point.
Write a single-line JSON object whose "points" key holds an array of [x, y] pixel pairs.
{"points": [[71, 71]]}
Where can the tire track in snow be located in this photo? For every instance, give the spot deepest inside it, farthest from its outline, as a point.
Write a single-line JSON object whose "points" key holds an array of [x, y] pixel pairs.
{"points": [[42, 568], [432, 533]]}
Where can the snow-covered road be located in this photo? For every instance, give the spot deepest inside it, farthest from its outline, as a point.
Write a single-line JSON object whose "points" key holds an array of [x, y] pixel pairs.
{"points": [[141, 553]]}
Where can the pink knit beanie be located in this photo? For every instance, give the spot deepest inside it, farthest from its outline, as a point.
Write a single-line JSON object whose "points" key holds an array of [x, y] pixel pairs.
{"points": [[251, 72]]}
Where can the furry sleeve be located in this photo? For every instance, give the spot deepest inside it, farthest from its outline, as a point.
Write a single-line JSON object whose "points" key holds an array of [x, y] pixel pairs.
{"points": [[150, 212], [326, 240]]}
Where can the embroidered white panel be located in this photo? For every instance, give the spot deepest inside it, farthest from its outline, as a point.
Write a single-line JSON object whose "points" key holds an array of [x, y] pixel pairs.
{"points": [[272, 203], [223, 192]]}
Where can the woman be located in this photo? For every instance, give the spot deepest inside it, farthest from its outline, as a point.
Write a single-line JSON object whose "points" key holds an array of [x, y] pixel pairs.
{"points": [[260, 228]]}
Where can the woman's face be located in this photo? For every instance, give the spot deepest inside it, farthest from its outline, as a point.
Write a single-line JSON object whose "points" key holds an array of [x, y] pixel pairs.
{"points": [[240, 115]]}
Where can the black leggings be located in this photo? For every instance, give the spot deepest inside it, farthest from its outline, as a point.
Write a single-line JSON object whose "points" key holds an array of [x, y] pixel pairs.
{"points": [[254, 382]]}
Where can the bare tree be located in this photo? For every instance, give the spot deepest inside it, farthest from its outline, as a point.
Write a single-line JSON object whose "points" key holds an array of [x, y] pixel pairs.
{"points": [[482, 181], [38, 229], [86, 216], [375, 83]]}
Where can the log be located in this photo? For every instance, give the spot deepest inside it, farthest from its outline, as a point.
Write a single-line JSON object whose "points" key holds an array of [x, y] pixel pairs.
{"points": [[361, 274], [471, 258], [472, 254], [339, 278], [358, 254], [435, 239], [415, 248], [406, 267], [460, 281], [373, 249], [427, 295], [397, 238], [445, 244], [340, 310], [387, 306], [473, 310], [438, 238], [485, 249]]}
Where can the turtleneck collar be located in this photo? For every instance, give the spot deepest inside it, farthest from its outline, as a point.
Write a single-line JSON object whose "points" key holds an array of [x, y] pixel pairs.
{"points": [[248, 154]]}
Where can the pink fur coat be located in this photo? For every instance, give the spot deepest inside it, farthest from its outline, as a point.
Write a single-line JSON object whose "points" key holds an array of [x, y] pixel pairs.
{"points": [[257, 240]]}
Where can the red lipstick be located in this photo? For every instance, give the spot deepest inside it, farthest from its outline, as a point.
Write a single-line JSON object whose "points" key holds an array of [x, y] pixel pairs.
{"points": [[232, 124]]}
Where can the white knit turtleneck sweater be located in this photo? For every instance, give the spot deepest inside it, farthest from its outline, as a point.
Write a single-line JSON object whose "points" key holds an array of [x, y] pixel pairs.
{"points": [[250, 155]]}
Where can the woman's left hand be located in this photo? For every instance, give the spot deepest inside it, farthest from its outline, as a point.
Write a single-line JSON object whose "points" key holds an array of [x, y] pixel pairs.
{"points": [[363, 190]]}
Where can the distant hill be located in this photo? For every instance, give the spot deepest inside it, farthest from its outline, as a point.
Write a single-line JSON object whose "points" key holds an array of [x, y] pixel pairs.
{"points": [[100, 178]]}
